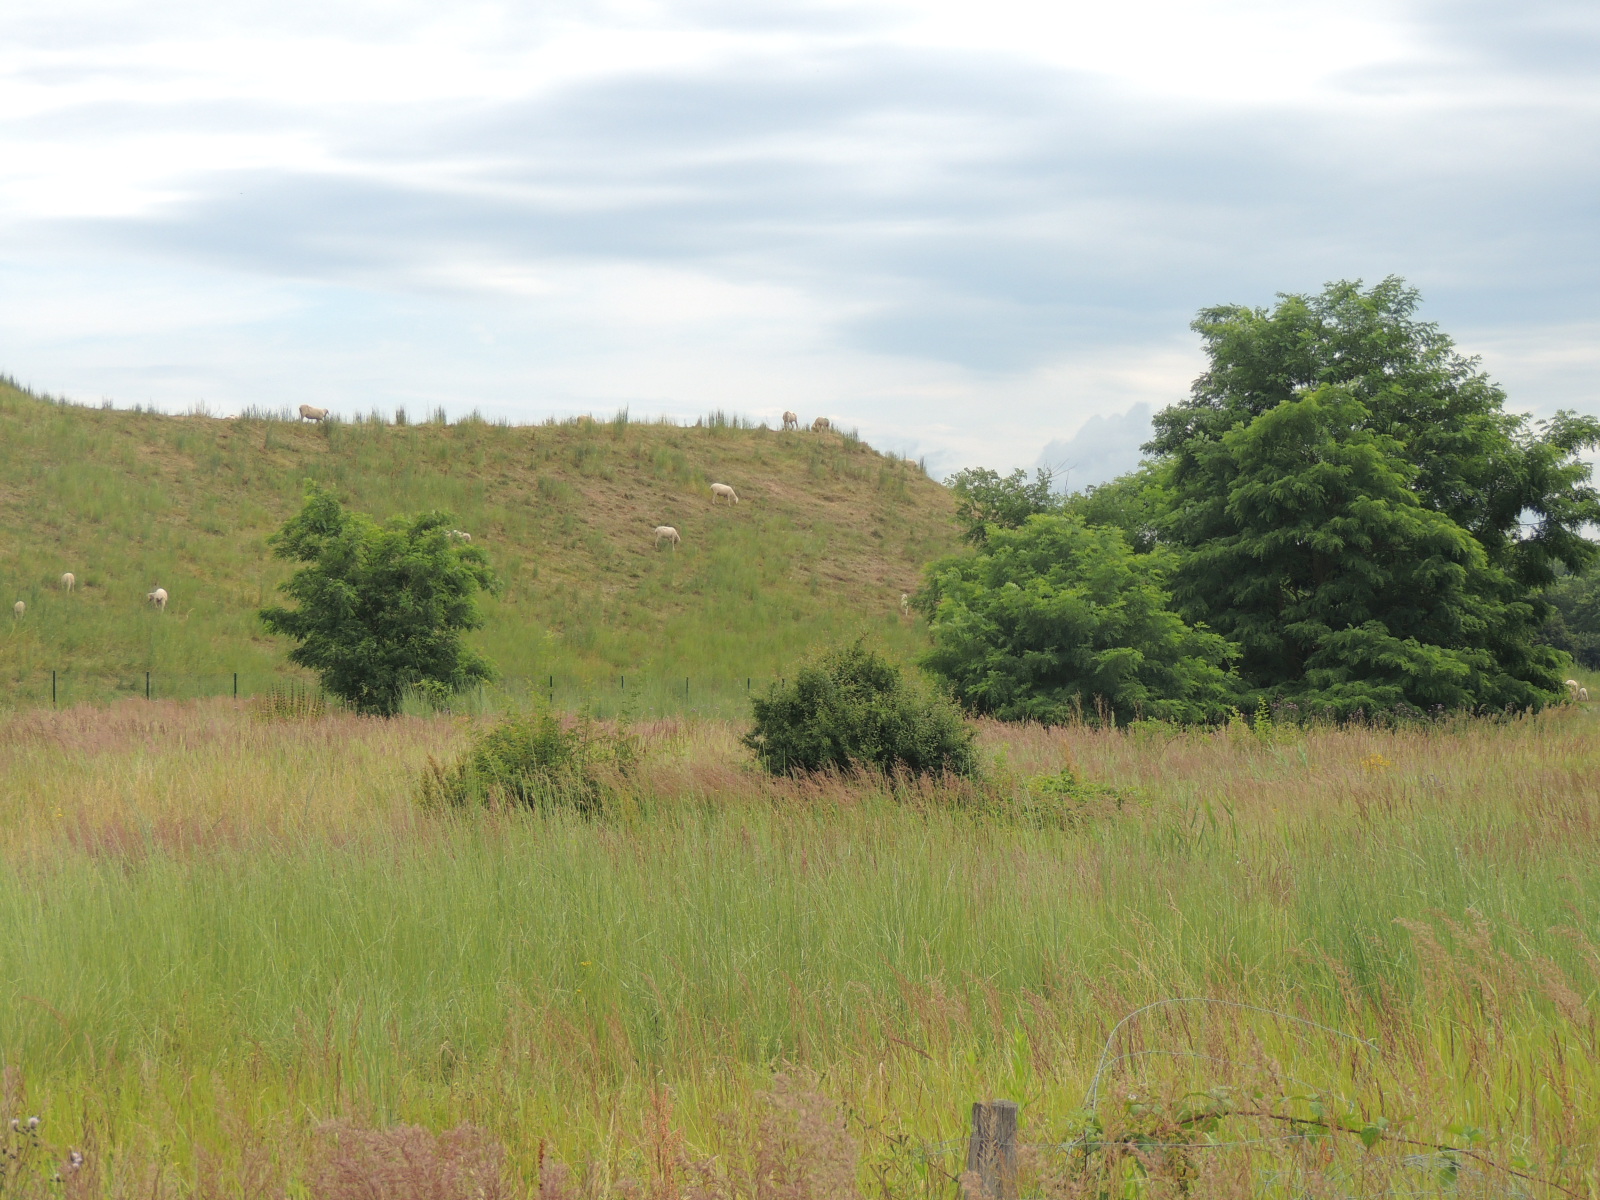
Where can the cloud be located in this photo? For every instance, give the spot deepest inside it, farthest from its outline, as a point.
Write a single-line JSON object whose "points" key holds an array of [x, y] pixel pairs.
{"points": [[1103, 448], [970, 234]]}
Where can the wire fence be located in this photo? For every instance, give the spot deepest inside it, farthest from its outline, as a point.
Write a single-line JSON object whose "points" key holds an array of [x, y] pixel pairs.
{"points": [[634, 694]]}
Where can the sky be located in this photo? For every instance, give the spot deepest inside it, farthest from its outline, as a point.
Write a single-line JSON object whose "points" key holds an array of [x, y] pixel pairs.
{"points": [[975, 233]]}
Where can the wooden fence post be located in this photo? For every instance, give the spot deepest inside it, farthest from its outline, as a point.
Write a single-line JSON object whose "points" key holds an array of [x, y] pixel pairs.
{"points": [[992, 1153]]}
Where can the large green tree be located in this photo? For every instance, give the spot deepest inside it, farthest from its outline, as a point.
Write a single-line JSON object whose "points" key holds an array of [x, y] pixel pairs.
{"points": [[988, 500], [381, 608], [1059, 619], [1353, 506]]}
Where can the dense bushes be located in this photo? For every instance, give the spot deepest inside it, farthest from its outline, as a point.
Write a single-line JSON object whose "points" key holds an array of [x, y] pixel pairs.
{"points": [[852, 707], [534, 761], [1058, 621]]}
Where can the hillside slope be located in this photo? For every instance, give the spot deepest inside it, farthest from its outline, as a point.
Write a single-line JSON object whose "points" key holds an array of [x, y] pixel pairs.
{"points": [[827, 536]]}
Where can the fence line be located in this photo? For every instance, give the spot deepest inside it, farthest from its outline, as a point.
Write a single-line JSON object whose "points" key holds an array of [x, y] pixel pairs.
{"points": [[642, 692]]}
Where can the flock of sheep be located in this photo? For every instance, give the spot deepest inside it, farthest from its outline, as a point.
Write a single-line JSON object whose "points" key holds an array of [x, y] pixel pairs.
{"points": [[69, 582], [663, 533], [722, 491]]}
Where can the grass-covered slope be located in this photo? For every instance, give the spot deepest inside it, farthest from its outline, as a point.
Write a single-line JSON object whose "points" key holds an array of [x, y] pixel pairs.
{"points": [[826, 537]]}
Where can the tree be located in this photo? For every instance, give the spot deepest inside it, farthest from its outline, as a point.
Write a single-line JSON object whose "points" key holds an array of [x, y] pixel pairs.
{"points": [[1060, 619], [986, 499], [1574, 625], [851, 707], [1352, 504], [1135, 503], [381, 608]]}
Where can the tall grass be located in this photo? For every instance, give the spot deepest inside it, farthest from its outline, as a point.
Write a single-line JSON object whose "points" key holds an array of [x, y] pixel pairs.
{"points": [[223, 930]]}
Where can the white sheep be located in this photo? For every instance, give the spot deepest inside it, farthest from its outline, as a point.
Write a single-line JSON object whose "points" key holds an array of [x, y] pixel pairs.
{"points": [[669, 533], [1583, 694], [158, 598], [18, 609], [460, 535], [1573, 689], [905, 602], [820, 425], [68, 581], [723, 490], [790, 421], [307, 413]]}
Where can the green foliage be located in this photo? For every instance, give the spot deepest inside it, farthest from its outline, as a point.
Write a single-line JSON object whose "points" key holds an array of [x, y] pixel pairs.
{"points": [[381, 608], [853, 707], [535, 761], [987, 500], [1135, 503], [1060, 620], [1574, 623], [1351, 504]]}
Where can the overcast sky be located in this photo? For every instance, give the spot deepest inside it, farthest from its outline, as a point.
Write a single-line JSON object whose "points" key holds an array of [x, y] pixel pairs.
{"points": [[973, 231]]}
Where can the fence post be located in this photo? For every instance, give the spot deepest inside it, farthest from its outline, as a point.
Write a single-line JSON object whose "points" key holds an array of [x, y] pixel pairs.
{"points": [[52, 689], [147, 685], [236, 685], [992, 1153]]}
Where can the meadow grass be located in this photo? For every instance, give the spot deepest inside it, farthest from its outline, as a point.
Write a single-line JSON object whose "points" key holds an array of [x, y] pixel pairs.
{"points": [[827, 536], [224, 932]]}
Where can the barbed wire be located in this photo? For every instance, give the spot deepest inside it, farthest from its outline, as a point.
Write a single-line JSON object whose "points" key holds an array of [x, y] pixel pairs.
{"points": [[1092, 1097]]}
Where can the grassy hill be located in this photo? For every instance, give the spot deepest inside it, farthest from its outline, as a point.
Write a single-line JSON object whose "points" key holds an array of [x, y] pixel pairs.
{"points": [[828, 534]]}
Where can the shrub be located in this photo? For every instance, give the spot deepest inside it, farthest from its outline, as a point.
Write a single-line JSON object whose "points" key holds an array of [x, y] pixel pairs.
{"points": [[536, 761], [852, 707]]}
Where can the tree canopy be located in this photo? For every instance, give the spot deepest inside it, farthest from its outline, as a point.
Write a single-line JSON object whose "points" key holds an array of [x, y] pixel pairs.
{"points": [[987, 500], [1059, 619], [1343, 497], [382, 608], [1354, 507]]}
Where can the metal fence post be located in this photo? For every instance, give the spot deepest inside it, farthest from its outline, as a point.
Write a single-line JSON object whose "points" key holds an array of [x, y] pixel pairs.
{"points": [[147, 685], [236, 685], [52, 689]]}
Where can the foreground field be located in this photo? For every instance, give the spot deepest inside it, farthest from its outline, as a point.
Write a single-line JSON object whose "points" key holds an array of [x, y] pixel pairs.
{"points": [[223, 933]]}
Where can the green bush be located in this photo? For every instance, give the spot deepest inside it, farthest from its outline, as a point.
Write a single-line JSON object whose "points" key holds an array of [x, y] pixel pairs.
{"points": [[852, 707], [535, 761], [1060, 621]]}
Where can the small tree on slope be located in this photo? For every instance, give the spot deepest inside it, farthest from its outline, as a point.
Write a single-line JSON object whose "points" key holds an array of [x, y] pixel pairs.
{"points": [[382, 608]]}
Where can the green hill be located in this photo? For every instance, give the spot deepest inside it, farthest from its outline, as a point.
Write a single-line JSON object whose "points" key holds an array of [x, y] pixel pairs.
{"points": [[827, 536]]}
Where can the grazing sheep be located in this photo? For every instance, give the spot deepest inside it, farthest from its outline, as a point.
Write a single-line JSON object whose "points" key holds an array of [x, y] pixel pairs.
{"points": [[158, 598], [1583, 693], [69, 581], [307, 413], [820, 425], [669, 533], [905, 602], [460, 535], [790, 421], [18, 609], [1573, 688], [723, 490]]}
